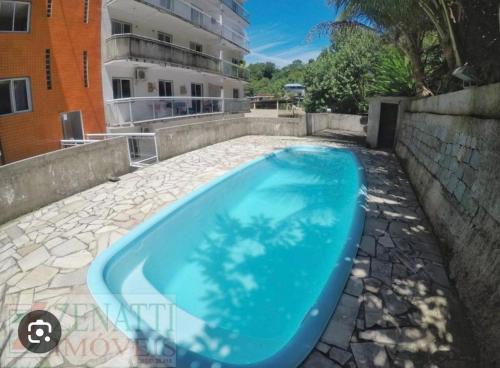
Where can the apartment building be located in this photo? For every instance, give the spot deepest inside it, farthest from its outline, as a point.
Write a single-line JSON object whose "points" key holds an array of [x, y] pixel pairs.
{"points": [[164, 59], [50, 75]]}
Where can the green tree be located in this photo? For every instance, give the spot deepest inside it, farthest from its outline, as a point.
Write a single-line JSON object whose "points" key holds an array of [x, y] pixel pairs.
{"points": [[267, 78], [392, 74], [340, 78], [403, 22]]}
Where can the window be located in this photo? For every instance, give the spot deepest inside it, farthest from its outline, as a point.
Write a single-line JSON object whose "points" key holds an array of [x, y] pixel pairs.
{"points": [[196, 16], [196, 91], [236, 93], [166, 4], [72, 125], [14, 16], [196, 47], [164, 37], [165, 88], [85, 11], [49, 8], [122, 88], [48, 69], [85, 69], [118, 27], [14, 96]]}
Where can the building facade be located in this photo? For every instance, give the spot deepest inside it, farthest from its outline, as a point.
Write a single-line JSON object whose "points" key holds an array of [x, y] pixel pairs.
{"points": [[50, 75], [168, 58]]}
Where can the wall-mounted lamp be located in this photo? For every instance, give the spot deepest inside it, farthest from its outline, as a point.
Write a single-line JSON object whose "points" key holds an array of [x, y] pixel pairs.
{"points": [[466, 74]]}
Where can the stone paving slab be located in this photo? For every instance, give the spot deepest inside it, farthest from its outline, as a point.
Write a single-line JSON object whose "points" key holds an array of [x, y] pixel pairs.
{"points": [[398, 308]]}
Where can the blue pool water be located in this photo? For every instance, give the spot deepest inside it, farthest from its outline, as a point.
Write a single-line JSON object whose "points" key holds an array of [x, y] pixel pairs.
{"points": [[255, 262]]}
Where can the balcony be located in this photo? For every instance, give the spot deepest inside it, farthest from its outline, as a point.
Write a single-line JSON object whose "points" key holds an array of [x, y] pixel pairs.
{"points": [[235, 37], [127, 111], [198, 18], [234, 71], [138, 48], [238, 9]]}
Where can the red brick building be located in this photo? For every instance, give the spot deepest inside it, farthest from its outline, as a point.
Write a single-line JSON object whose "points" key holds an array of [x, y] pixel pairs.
{"points": [[50, 75]]}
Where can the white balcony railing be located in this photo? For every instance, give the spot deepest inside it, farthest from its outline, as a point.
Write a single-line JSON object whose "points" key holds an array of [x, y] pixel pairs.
{"points": [[133, 47], [234, 71], [199, 18], [128, 111], [142, 147], [236, 37], [237, 8]]}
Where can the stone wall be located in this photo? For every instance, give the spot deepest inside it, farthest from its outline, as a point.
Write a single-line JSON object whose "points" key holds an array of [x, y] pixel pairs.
{"points": [[453, 161], [32, 183]]}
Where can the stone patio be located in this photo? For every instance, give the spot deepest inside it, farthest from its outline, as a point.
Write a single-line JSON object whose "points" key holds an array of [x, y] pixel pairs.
{"points": [[398, 308]]}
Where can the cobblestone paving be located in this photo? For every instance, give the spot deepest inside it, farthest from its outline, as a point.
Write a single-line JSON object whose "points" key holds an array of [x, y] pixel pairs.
{"points": [[398, 308]]}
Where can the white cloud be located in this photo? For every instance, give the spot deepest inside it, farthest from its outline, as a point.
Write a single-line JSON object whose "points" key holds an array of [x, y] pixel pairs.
{"points": [[283, 57], [274, 44]]}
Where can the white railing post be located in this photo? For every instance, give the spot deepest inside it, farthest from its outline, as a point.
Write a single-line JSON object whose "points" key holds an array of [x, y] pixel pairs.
{"points": [[156, 148], [131, 115]]}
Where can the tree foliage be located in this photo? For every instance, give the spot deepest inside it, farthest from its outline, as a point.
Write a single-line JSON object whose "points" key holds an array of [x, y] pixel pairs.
{"points": [[465, 31], [359, 64], [338, 79], [267, 78]]}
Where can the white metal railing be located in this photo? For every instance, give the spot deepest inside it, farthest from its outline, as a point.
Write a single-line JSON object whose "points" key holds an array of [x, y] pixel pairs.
{"points": [[199, 18], [234, 71], [128, 111], [142, 147], [236, 37], [66, 143], [129, 46], [237, 8]]}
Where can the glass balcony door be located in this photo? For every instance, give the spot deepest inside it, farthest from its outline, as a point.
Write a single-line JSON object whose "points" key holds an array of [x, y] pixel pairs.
{"points": [[196, 91]]}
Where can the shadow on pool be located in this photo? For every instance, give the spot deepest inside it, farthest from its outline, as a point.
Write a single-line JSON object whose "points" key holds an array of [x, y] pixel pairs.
{"points": [[413, 319]]}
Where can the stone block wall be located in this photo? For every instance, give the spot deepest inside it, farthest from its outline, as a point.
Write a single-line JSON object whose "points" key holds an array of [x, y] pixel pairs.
{"points": [[453, 162]]}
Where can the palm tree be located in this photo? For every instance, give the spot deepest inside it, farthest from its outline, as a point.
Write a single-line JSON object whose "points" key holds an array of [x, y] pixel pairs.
{"points": [[444, 14], [403, 22]]}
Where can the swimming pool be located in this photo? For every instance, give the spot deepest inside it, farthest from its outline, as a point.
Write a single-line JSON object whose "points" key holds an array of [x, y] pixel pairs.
{"points": [[255, 261]]}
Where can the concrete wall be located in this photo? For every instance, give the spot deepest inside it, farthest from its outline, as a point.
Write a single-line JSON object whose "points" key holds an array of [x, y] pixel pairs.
{"points": [[375, 108], [32, 183], [292, 127], [180, 139], [453, 161], [321, 121], [173, 141]]}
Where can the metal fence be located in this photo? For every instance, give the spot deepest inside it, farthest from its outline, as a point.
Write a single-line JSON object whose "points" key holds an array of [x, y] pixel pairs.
{"points": [[237, 8], [142, 147], [128, 111]]}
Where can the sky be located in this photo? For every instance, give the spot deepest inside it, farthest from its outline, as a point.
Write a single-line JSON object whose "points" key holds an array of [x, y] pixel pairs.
{"points": [[278, 30]]}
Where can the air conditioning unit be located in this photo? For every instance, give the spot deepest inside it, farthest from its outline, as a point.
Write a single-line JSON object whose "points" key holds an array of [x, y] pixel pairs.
{"points": [[140, 73]]}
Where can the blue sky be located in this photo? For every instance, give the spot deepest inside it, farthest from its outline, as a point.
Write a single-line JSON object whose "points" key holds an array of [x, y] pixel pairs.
{"points": [[279, 29]]}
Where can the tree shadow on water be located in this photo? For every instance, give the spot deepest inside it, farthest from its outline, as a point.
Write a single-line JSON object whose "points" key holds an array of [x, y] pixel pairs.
{"points": [[261, 275]]}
